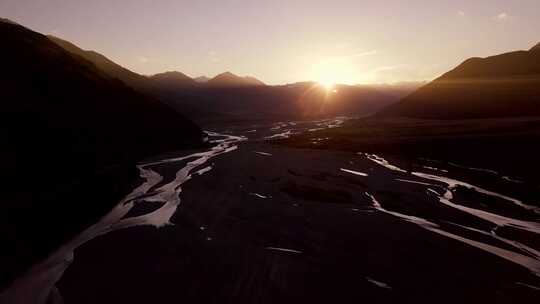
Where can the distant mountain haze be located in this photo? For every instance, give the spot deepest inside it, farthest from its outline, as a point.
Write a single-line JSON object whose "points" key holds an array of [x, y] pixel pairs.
{"points": [[298, 101], [230, 80], [174, 79], [201, 79], [504, 85]]}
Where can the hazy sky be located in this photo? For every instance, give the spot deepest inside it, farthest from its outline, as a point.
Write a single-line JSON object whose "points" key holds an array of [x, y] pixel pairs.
{"points": [[347, 41]]}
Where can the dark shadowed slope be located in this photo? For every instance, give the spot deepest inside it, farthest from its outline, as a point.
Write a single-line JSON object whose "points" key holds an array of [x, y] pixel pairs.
{"points": [[103, 63], [68, 130], [506, 85], [230, 80]]}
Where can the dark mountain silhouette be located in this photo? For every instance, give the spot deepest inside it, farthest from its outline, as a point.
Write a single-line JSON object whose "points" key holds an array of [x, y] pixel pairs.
{"points": [[230, 80], [201, 79], [505, 85], [173, 79], [535, 48], [104, 64], [160, 86], [155, 86], [229, 97], [71, 135]]}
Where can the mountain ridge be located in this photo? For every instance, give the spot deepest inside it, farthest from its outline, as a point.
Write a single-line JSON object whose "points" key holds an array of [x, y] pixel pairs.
{"points": [[504, 85], [230, 80], [102, 62], [174, 78]]}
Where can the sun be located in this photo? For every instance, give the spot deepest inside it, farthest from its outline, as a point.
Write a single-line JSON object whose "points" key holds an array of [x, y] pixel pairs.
{"points": [[328, 85], [330, 73]]}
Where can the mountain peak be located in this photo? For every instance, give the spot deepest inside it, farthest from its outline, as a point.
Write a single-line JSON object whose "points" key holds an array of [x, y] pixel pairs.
{"points": [[201, 79], [228, 79], [171, 75], [173, 79], [535, 48], [504, 85], [229, 74]]}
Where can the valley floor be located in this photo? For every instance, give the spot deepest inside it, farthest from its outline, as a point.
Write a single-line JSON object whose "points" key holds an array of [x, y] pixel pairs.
{"points": [[264, 223], [510, 146]]}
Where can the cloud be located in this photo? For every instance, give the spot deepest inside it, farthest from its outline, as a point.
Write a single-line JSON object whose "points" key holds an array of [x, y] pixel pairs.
{"points": [[362, 54], [502, 16], [461, 13], [142, 59]]}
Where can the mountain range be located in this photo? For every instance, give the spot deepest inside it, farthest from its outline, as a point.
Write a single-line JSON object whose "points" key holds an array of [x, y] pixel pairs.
{"points": [[496, 86], [227, 96], [161, 81], [506, 85]]}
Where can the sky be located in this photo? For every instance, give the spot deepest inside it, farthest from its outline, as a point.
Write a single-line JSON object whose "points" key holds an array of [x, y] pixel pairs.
{"points": [[339, 41]]}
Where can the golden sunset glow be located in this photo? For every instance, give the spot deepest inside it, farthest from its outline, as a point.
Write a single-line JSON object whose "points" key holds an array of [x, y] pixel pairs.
{"points": [[330, 71], [328, 85]]}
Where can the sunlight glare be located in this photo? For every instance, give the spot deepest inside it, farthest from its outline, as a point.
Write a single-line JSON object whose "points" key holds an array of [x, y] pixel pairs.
{"points": [[328, 85], [329, 74]]}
